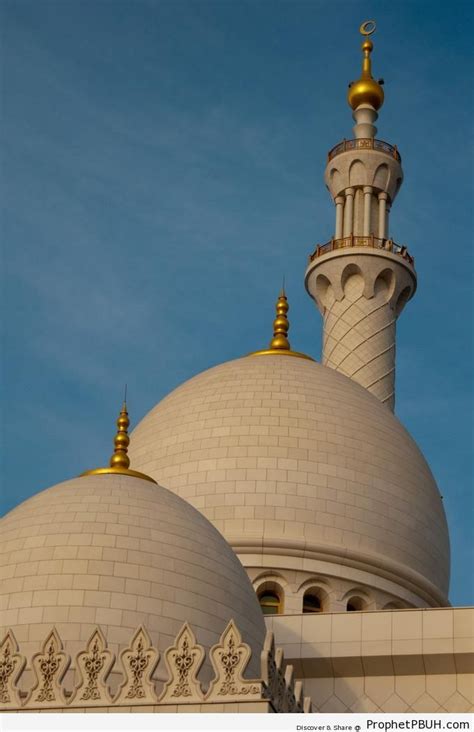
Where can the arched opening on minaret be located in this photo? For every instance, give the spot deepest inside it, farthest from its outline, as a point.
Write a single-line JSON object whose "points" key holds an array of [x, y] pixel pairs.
{"points": [[385, 281], [352, 282], [403, 298], [381, 177], [324, 292], [357, 173]]}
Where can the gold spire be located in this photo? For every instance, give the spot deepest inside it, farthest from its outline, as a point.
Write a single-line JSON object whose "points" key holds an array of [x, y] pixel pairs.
{"points": [[281, 324], [279, 344], [366, 90], [119, 463]]}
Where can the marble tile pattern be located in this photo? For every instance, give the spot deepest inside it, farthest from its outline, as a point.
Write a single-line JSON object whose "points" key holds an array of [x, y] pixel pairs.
{"points": [[119, 552], [282, 448], [419, 660]]}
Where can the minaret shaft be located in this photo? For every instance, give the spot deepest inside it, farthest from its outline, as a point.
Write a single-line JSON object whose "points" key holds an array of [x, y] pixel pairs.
{"points": [[360, 293], [361, 280]]}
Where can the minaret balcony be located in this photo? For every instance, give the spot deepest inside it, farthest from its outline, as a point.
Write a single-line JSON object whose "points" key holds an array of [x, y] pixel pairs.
{"points": [[365, 143], [372, 242]]}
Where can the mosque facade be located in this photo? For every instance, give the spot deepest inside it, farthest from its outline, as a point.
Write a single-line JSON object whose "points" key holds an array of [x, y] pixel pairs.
{"points": [[280, 528]]}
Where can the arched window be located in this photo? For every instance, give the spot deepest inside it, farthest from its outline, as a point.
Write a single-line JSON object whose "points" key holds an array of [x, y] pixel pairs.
{"points": [[269, 602], [355, 604], [311, 603]]}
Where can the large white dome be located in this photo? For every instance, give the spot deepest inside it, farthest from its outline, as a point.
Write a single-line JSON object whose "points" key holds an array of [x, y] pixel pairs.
{"points": [[301, 468], [118, 552]]}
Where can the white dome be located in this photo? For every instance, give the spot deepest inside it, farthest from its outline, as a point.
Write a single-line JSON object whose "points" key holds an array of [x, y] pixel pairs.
{"points": [[118, 552], [295, 463]]}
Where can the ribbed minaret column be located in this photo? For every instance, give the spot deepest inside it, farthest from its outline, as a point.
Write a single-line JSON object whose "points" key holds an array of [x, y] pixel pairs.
{"points": [[387, 219], [367, 209], [382, 215], [339, 201], [362, 285], [349, 212]]}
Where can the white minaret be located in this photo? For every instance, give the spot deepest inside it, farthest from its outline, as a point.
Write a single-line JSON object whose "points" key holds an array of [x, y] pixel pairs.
{"points": [[361, 280]]}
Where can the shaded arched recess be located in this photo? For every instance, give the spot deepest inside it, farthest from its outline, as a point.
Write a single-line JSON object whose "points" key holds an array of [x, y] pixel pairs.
{"points": [[324, 293], [357, 173], [386, 280], [271, 586], [397, 187], [318, 586], [358, 598], [351, 270], [381, 177], [402, 300], [335, 181], [320, 592]]}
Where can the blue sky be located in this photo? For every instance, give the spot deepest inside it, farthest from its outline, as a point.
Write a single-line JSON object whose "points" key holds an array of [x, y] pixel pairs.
{"points": [[163, 168]]}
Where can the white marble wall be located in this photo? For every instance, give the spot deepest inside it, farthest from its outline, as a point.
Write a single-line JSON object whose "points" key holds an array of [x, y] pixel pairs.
{"points": [[392, 661]]}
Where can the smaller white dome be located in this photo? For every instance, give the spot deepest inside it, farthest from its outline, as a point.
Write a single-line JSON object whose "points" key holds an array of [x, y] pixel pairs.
{"points": [[117, 552]]}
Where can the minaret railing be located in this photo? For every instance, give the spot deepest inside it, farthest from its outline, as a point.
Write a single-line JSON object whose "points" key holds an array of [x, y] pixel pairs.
{"points": [[364, 143], [372, 242]]}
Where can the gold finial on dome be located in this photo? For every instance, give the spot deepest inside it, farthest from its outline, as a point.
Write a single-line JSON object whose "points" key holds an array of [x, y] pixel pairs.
{"points": [[281, 324], [119, 463], [366, 90], [120, 457], [279, 344]]}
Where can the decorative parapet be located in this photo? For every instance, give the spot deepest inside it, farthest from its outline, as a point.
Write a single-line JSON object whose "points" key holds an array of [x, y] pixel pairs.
{"points": [[12, 665], [230, 658], [184, 660], [49, 667], [139, 661], [93, 667], [86, 684], [372, 242], [364, 143]]}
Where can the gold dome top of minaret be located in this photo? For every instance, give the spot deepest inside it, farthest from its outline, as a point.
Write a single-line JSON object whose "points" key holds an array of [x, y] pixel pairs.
{"points": [[119, 463], [280, 344], [366, 90]]}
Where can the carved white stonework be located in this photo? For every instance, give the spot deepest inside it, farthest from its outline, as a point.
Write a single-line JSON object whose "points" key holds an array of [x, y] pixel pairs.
{"points": [[11, 668], [229, 659], [298, 696], [183, 660], [274, 690], [279, 689], [268, 664], [139, 662], [49, 666], [289, 701], [93, 666]]}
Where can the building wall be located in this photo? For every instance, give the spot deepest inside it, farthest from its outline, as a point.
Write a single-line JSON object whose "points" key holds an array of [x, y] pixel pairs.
{"points": [[250, 707], [415, 660], [291, 586]]}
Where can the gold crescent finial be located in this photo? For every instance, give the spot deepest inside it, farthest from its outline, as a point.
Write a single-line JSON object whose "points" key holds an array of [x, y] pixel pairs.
{"points": [[368, 27], [366, 90], [280, 344], [119, 463]]}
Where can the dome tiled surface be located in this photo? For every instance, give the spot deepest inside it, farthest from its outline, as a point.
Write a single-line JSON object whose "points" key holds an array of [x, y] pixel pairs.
{"points": [[277, 447], [118, 552]]}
